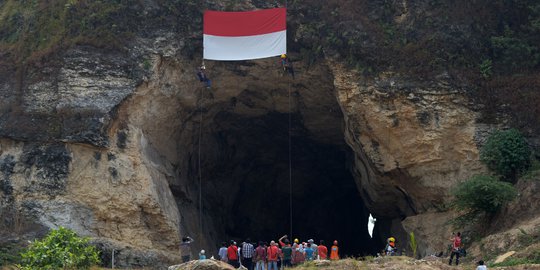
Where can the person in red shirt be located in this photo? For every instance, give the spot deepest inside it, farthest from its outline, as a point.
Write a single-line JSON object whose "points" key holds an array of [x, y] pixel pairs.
{"points": [[260, 256], [232, 255], [323, 251], [456, 245], [272, 255]]}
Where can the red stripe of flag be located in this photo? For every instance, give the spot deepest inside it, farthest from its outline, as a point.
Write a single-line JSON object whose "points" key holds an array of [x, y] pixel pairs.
{"points": [[249, 23]]}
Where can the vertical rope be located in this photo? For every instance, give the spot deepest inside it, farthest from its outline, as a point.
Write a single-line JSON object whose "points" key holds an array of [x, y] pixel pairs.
{"points": [[290, 168], [199, 164]]}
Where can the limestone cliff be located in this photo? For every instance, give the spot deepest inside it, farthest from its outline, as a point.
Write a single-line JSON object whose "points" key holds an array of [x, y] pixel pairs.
{"points": [[107, 141]]}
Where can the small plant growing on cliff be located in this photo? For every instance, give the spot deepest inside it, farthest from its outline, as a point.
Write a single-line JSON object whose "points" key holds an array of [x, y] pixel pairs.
{"points": [[60, 249], [507, 153], [486, 68], [412, 244], [483, 195]]}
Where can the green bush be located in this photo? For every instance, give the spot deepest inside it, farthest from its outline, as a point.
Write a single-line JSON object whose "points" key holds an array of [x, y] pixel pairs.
{"points": [[483, 194], [507, 153], [60, 249]]}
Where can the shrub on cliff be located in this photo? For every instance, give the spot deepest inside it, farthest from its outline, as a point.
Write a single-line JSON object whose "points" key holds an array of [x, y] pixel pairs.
{"points": [[60, 249], [507, 153], [483, 195]]}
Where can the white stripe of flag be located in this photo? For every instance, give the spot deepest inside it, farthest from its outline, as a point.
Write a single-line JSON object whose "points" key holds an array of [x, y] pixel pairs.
{"points": [[247, 47]]}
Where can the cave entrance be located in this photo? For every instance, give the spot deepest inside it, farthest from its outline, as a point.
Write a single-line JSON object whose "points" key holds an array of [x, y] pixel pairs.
{"points": [[247, 188]]}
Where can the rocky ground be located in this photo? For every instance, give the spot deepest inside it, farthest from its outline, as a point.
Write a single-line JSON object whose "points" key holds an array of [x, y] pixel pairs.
{"points": [[397, 263], [389, 263]]}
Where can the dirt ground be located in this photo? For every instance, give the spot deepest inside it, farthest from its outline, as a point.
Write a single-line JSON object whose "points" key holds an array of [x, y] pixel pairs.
{"points": [[399, 263]]}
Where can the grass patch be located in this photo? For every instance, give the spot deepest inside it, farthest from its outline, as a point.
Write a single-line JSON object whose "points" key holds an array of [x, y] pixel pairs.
{"points": [[526, 239]]}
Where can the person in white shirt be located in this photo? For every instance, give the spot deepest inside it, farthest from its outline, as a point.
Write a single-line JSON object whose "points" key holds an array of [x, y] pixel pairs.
{"points": [[481, 266], [223, 252]]}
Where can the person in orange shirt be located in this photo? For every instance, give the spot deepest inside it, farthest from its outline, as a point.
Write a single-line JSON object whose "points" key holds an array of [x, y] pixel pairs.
{"points": [[272, 255], [334, 251], [322, 251]]}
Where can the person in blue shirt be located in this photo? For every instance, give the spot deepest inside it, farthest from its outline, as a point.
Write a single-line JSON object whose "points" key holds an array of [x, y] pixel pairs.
{"points": [[202, 255], [309, 252]]}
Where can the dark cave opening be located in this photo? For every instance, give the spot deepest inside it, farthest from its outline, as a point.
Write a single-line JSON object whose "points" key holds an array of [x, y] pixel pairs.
{"points": [[247, 191]]}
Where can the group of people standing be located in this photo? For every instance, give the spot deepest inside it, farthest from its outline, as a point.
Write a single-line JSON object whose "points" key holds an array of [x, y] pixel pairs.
{"points": [[274, 255]]}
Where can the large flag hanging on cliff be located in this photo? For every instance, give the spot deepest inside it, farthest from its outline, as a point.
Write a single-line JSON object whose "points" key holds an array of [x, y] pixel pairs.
{"points": [[245, 35]]}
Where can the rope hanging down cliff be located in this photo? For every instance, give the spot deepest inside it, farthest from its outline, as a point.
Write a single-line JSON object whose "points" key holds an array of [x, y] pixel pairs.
{"points": [[290, 166], [199, 169]]}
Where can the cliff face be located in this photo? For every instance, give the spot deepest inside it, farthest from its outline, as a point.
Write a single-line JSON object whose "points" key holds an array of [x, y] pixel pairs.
{"points": [[107, 142]]}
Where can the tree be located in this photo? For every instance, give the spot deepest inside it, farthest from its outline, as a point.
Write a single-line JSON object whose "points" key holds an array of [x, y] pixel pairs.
{"points": [[483, 194], [507, 153], [60, 249]]}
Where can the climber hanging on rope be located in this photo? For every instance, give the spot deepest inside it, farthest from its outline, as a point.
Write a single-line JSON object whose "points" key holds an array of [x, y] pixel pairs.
{"points": [[201, 74], [287, 66]]}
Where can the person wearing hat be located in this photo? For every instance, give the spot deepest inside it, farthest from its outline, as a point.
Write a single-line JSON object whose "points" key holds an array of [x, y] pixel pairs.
{"points": [[334, 251], [286, 64], [202, 255], [203, 77], [390, 246], [293, 253], [284, 61], [272, 254], [299, 256]]}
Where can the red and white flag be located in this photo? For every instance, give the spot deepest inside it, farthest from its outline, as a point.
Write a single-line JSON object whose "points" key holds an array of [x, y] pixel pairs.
{"points": [[245, 35]]}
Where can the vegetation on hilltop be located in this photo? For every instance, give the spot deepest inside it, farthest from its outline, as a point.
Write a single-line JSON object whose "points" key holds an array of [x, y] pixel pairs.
{"points": [[30, 30], [490, 47], [424, 38]]}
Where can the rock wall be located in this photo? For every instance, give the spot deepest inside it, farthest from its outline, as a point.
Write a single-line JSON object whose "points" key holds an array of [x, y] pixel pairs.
{"points": [[136, 186], [106, 142], [413, 141], [70, 159]]}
